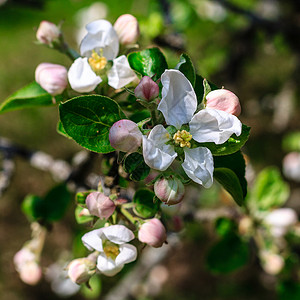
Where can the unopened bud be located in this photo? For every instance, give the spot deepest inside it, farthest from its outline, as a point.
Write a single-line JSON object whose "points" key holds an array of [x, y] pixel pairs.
{"points": [[291, 166], [127, 28], [48, 33], [280, 220], [272, 263], [125, 136], [100, 205], [80, 270], [245, 225], [25, 263], [169, 190], [147, 89], [153, 233], [52, 78], [224, 100]]}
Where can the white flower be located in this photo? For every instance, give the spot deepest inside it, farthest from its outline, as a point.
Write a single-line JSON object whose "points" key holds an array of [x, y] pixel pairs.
{"points": [[100, 45], [111, 242], [178, 105]]}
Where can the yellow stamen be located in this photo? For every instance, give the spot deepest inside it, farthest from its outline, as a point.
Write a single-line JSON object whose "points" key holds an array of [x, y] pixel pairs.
{"points": [[183, 138], [97, 62], [111, 250]]}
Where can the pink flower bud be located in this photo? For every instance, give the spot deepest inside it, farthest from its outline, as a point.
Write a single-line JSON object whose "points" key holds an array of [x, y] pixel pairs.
{"points": [[224, 100], [272, 263], [127, 28], [80, 270], [169, 190], [100, 205], [47, 33], [153, 233], [125, 136], [291, 166], [52, 78], [147, 89], [25, 263]]}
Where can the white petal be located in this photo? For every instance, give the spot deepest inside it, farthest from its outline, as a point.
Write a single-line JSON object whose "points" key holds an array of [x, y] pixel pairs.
{"points": [[199, 165], [179, 101], [118, 234], [157, 154], [120, 74], [107, 266], [127, 254], [81, 76], [93, 240], [212, 125], [101, 35]]}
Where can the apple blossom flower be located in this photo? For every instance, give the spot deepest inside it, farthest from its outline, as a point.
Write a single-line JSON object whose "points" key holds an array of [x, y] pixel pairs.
{"points": [[113, 247], [153, 233], [100, 205], [147, 89], [51, 77], [100, 45], [125, 136], [48, 33], [169, 190], [280, 221], [127, 28], [224, 100], [178, 105]]}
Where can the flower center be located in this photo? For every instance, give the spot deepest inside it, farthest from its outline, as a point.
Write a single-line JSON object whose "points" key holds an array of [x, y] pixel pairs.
{"points": [[97, 62], [111, 250], [182, 138]]}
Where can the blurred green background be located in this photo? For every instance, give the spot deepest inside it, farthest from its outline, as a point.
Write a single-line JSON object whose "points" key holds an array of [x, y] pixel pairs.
{"points": [[249, 47]]}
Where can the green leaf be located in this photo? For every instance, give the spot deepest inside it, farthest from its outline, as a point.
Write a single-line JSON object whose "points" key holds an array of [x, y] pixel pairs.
{"points": [[270, 190], [230, 173], [31, 95], [149, 62], [144, 204], [227, 255], [87, 120], [134, 165], [288, 290], [140, 116], [56, 202], [50, 208], [233, 144], [291, 142], [224, 226], [186, 67], [32, 207], [60, 129]]}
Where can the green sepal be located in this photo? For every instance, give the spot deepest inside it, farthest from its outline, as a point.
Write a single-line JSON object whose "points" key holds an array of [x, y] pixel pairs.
{"points": [[82, 219], [87, 120]]}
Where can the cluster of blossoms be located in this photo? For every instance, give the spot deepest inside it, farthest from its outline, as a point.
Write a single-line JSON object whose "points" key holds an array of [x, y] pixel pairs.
{"points": [[181, 129]]}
